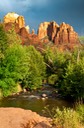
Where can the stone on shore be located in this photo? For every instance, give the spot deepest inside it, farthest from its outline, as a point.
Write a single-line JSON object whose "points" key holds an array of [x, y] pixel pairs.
{"points": [[20, 118]]}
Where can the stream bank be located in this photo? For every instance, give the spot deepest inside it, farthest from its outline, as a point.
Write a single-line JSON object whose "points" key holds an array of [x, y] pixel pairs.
{"points": [[36, 100]]}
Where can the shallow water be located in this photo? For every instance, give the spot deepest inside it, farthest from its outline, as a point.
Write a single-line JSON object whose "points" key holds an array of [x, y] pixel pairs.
{"points": [[26, 101]]}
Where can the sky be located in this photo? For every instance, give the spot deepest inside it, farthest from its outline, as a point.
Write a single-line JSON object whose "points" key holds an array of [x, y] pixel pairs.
{"points": [[37, 11]]}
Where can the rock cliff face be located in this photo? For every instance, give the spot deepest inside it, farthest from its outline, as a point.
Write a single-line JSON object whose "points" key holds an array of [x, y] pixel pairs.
{"points": [[63, 36], [48, 29], [20, 20], [10, 17], [14, 18], [58, 34]]}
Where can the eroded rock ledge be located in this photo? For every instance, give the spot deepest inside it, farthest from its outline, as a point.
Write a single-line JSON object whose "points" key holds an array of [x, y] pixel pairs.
{"points": [[20, 118]]}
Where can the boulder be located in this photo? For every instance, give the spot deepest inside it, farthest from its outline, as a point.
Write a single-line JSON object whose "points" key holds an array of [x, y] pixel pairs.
{"points": [[20, 118], [44, 95], [42, 125]]}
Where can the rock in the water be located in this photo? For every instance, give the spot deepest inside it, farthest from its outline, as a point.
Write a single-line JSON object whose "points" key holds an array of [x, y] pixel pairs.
{"points": [[44, 95]]}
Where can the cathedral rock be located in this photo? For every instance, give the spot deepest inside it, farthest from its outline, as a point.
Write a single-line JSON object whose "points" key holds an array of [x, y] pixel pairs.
{"points": [[61, 36], [58, 34], [15, 19]]}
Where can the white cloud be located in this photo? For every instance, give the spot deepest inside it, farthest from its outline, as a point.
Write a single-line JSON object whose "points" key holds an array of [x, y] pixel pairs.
{"points": [[21, 5]]}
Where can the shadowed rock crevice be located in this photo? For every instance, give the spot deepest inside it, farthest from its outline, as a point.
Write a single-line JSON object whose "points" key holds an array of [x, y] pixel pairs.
{"points": [[58, 34]]}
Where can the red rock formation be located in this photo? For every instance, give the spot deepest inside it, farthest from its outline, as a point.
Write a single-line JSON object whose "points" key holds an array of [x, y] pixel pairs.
{"points": [[9, 26], [14, 18], [33, 32], [10, 17], [66, 34], [27, 38], [59, 35], [23, 32], [63, 36], [20, 20], [47, 29]]}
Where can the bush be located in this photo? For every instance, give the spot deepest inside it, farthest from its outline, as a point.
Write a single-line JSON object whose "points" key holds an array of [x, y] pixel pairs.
{"points": [[13, 69], [80, 111], [36, 72], [52, 79], [3, 42], [66, 118], [55, 62], [73, 82]]}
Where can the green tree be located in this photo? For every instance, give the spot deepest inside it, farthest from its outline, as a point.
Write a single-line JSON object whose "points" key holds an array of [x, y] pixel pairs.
{"points": [[3, 41], [13, 38], [36, 70], [73, 82], [13, 69], [56, 62]]}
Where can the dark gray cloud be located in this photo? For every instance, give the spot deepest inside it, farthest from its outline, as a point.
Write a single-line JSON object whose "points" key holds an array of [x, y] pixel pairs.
{"points": [[69, 11]]}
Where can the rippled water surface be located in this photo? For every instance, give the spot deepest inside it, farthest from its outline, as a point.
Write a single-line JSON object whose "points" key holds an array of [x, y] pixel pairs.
{"points": [[33, 102]]}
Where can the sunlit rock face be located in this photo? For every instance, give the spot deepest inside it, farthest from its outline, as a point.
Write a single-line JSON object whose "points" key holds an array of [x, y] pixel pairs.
{"points": [[28, 29], [62, 36], [20, 118], [47, 29], [14, 18], [58, 34], [66, 34], [10, 17], [20, 20]]}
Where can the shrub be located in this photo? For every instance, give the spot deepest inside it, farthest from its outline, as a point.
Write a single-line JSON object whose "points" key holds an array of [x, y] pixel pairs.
{"points": [[66, 118], [36, 72], [52, 79], [73, 82], [80, 111], [13, 69]]}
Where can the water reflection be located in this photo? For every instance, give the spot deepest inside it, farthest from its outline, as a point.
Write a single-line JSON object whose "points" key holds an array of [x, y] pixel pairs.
{"points": [[34, 104]]}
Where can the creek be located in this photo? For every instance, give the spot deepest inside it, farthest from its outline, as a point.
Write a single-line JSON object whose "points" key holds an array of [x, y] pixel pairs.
{"points": [[36, 100]]}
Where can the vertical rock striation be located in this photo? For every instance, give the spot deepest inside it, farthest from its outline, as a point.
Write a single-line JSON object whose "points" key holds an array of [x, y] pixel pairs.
{"points": [[58, 34]]}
